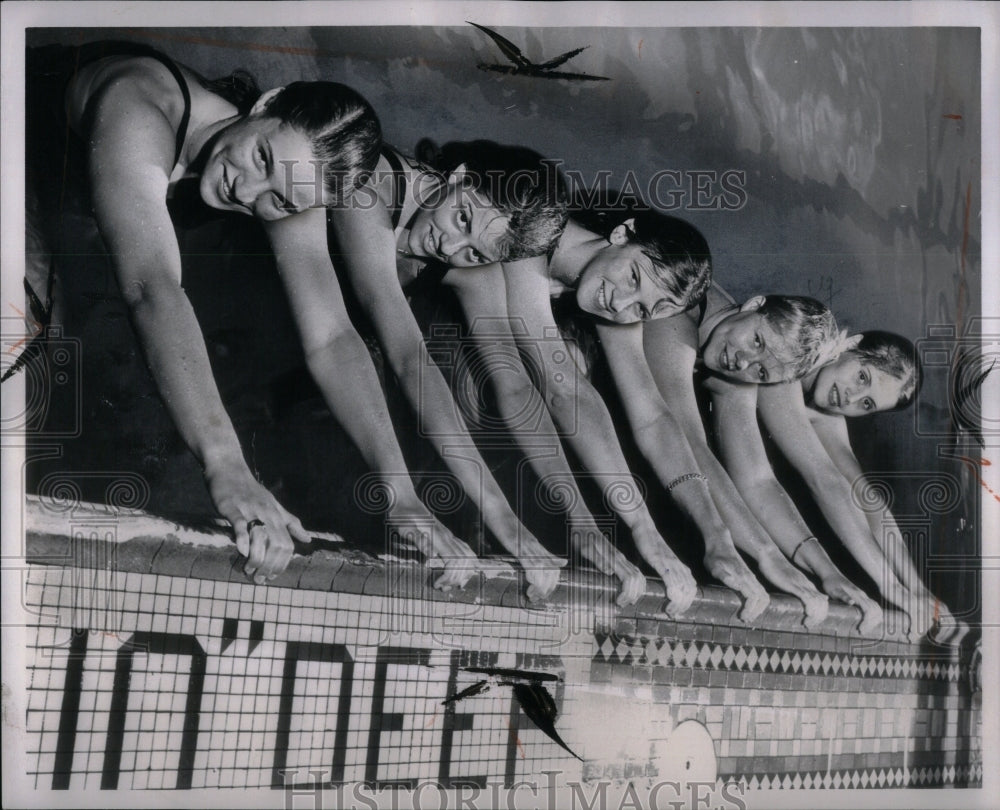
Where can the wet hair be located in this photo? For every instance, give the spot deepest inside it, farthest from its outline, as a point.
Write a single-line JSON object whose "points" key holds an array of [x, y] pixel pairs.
{"points": [[524, 187], [806, 326], [342, 126], [682, 263], [344, 130], [894, 355]]}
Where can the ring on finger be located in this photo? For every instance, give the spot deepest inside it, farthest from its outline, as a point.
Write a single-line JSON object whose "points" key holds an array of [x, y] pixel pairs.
{"points": [[253, 523]]}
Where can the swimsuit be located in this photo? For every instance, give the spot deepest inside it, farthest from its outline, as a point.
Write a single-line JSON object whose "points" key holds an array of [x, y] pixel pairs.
{"points": [[432, 273], [60, 211], [48, 72]]}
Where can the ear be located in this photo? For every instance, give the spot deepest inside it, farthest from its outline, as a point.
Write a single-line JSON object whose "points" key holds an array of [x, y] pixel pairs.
{"points": [[850, 343], [622, 233], [458, 174], [754, 303], [263, 101]]}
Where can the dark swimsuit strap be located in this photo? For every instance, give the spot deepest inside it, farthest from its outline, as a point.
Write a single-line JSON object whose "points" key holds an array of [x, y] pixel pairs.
{"points": [[702, 307], [398, 184], [432, 273], [92, 51]]}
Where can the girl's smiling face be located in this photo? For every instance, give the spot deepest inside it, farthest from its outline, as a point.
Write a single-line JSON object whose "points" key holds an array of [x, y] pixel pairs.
{"points": [[457, 225], [746, 348], [262, 167], [619, 285], [850, 387]]}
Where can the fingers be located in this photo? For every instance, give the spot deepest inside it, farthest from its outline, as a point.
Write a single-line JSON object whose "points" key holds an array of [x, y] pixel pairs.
{"points": [[681, 588], [755, 604], [296, 530], [732, 572], [262, 528], [271, 549], [542, 582], [633, 583], [242, 535], [871, 617], [257, 531], [817, 608], [456, 574], [677, 580]]}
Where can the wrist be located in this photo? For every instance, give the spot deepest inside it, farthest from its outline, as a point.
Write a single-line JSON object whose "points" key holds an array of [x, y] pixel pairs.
{"points": [[223, 460]]}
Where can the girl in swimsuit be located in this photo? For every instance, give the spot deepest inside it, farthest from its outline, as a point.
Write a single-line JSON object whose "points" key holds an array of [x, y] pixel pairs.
{"points": [[761, 355], [474, 221], [807, 421], [143, 122], [650, 271], [403, 219]]}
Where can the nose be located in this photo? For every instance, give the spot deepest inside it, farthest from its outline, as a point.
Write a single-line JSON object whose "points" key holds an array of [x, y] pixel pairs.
{"points": [[450, 244], [620, 300], [745, 357], [247, 189]]}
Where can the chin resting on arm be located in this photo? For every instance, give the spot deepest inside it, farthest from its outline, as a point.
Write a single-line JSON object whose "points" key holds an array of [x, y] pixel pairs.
{"points": [[368, 244], [583, 420], [482, 295]]}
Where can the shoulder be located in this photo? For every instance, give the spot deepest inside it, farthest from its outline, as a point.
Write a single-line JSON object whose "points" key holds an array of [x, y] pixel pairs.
{"points": [[486, 276], [729, 390], [681, 328], [123, 87], [828, 423]]}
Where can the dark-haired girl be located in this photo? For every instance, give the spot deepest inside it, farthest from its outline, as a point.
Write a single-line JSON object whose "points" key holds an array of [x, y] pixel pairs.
{"points": [[137, 122]]}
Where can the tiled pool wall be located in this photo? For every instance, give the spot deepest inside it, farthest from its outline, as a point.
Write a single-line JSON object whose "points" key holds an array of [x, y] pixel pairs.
{"points": [[155, 664]]}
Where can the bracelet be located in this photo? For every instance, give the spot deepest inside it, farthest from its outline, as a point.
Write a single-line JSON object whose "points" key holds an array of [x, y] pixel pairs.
{"points": [[801, 543], [680, 479]]}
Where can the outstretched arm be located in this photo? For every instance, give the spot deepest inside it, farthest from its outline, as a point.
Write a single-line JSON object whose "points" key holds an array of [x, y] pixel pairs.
{"points": [[785, 416], [666, 445], [741, 447], [131, 151], [832, 433], [583, 420], [671, 350], [367, 241], [340, 363], [482, 295]]}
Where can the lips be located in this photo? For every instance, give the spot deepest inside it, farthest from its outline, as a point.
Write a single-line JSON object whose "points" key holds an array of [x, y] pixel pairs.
{"points": [[602, 296], [724, 359], [227, 189], [431, 245], [833, 398]]}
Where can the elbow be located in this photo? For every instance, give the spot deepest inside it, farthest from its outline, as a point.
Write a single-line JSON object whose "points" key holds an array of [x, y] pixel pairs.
{"points": [[343, 345], [141, 294], [825, 483], [657, 427], [559, 400], [514, 396], [756, 488]]}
